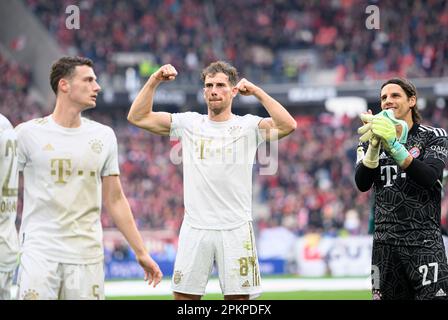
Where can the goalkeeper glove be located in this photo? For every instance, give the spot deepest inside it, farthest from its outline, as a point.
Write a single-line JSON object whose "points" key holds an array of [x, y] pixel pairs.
{"points": [[367, 118], [371, 158], [383, 126]]}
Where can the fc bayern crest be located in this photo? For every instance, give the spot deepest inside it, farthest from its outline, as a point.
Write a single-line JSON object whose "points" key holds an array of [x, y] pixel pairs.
{"points": [[96, 145], [415, 152]]}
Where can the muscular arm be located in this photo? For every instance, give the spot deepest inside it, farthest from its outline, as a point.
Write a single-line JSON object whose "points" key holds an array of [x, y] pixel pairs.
{"points": [[141, 113], [280, 119]]}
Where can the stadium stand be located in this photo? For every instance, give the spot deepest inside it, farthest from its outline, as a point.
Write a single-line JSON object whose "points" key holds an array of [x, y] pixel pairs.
{"points": [[280, 42], [189, 34]]}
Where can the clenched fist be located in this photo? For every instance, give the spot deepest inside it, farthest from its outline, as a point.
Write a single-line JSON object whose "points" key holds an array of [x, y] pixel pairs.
{"points": [[246, 88], [165, 73]]}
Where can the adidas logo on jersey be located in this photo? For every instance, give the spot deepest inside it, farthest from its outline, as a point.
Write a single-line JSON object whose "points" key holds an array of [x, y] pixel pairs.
{"points": [[440, 293], [41, 120], [246, 284], [48, 147], [383, 155]]}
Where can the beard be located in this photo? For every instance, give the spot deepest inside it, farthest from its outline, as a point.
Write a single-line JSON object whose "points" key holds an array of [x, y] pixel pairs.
{"points": [[217, 108]]}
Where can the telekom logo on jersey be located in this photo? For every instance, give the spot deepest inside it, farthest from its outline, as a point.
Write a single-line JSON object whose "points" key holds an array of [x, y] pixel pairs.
{"points": [[227, 150], [389, 174]]}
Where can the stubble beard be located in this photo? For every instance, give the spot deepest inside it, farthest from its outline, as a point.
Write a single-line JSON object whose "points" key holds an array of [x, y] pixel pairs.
{"points": [[216, 110]]}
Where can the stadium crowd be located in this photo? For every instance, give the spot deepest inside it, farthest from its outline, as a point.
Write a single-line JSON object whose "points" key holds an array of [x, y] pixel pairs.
{"points": [[313, 189], [306, 193], [190, 34], [15, 102]]}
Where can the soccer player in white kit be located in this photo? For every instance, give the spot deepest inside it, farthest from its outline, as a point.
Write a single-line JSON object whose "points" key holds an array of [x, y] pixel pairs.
{"points": [[9, 179], [69, 166], [218, 151]]}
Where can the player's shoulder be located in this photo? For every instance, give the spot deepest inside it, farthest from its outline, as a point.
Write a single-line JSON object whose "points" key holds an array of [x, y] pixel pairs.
{"points": [[189, 118], [96, 126], [4, 123], [190, 115], [248, 116], [6, 128], [248, 119], [432, 131], [32, 125]]}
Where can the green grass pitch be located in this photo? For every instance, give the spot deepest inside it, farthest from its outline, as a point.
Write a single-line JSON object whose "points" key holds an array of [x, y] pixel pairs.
{"points": [[293, 295]]}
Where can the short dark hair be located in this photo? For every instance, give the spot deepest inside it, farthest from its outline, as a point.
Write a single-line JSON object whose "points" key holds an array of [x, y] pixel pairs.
{"points": [[410, 90], [64, 68], [223, 67]]}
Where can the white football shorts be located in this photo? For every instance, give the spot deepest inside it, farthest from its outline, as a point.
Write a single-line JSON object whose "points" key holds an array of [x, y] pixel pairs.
{"points": [[5, 285], [234, 253], [41, 279]]}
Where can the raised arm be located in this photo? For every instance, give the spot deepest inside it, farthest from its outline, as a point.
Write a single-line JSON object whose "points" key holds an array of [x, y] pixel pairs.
{"points": [[281, 123], [141, 113]]}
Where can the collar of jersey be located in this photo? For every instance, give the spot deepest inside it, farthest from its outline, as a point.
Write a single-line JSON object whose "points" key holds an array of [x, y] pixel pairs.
{"points": [[414, 128], [65, 129], [220, 123]]}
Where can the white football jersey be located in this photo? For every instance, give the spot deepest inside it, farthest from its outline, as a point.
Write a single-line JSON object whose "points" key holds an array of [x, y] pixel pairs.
{"points": [[62, 169], [9, 245], [217, 158]]}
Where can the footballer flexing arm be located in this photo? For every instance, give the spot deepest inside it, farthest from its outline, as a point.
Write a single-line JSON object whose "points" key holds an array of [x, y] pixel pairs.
{"points": [[141, 113], [281, 123]]}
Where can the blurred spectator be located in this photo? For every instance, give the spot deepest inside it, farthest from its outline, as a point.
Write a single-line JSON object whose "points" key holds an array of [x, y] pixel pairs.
{"points": [[313, 188], [252, 35], [15, 103]]}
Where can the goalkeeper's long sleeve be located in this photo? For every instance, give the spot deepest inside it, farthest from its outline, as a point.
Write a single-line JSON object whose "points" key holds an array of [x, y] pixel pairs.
{"points": [[426, 172], [364, 177]]}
